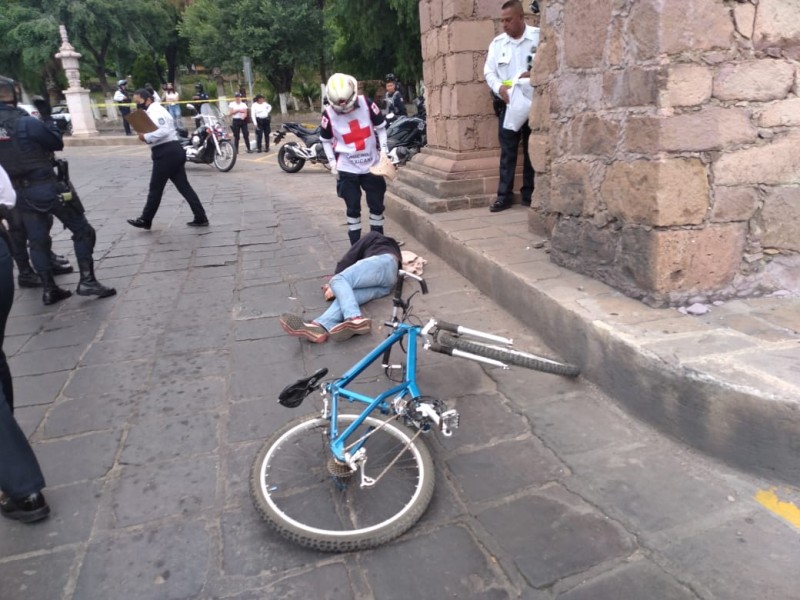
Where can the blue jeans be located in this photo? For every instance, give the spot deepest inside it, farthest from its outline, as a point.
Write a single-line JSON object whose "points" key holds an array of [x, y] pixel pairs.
{"points": [[370, 278], [175, 111]]}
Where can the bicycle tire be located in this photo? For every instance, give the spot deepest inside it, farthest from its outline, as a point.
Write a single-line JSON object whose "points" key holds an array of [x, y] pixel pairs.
{"points": [[508, 355], [293, 465]]}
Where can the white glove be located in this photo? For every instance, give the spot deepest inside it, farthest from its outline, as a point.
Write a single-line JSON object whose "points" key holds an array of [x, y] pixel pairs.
{"points": [[334, 170]]}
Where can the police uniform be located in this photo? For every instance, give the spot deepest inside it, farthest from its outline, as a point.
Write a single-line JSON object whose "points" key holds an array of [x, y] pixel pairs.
{"points": [[506, 59], [122, 98], [351, 137], [169, 159], [26, 152]]}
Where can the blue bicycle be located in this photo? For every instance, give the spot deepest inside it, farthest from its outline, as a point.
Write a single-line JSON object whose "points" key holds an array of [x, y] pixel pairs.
{"points": [[340, 481]]}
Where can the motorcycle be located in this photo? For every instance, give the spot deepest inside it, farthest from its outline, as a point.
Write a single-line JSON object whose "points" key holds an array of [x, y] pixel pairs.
{"points": [[209, 144], [292, 156], [406, 135]]}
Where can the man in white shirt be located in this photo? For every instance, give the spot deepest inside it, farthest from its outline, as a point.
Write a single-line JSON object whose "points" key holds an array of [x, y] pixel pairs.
{"points": [[509, 59], [238, 113], [261, 120], [169, 159]]}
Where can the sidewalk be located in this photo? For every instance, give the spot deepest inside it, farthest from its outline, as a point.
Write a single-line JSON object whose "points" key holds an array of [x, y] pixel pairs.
{"points": [[726, 382]]}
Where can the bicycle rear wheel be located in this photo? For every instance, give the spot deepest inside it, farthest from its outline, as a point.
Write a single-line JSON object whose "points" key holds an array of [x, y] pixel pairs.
{"points": [[313, 501], [508, 355]]}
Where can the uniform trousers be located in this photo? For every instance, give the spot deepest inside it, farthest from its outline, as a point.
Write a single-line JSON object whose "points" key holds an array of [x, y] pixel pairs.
{"points": [[348, 187], [169, 160], [20, 474], [509, 149], [240, 125], [262, 130]]}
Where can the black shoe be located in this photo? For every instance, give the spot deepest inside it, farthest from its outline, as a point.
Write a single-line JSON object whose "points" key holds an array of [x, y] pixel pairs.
{"points": [[499, 205], [526, 202], [197, 223], [140, 223], [88, 284], [27, 510], [59, 269], [258, 150], [58, 258], [29, 279], [51, 292], [249, 151]]}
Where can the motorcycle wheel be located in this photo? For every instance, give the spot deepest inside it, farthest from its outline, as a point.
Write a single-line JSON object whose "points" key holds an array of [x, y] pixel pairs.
{"points": [[289, 162], [226, 157]]}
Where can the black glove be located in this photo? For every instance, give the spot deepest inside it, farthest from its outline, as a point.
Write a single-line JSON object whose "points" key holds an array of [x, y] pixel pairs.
{"points": [[43, 106]]}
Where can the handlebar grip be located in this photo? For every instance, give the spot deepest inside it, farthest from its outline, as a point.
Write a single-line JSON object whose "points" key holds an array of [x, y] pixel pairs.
{"points": [[437, 347], [444, 325]]}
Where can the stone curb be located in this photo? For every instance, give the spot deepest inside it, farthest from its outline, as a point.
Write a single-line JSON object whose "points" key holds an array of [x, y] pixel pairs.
{"points": [[654, 376]]}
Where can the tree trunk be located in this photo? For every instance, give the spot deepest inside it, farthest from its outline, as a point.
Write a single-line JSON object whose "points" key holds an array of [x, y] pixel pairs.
{"points": [[282, 97]]}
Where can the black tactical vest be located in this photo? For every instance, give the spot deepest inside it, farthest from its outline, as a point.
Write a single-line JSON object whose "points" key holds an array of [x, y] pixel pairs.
{"points": [[18, 164]]}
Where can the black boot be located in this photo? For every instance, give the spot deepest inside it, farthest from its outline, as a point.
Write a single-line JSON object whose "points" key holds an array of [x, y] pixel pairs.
{"points": [[52, 293], [88, 285], [58, 258], [59, 268], [26, 277]]}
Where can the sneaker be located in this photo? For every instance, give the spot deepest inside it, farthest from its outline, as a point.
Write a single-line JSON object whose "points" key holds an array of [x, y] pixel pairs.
{"points": [[347, 329], [294, 325]]}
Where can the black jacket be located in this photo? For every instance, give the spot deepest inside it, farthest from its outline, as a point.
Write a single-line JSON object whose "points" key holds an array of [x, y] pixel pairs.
{"points": [[371, 244]]}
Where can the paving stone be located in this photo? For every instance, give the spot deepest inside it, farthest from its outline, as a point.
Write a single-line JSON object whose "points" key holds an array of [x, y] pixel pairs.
{"points": [[256, 354], [527, 388], [71, 416], [485, 419], [161, 438], [256, 329], [263, 301], [43, 576], [105, 352], [650, 489], [29, 417], [702, 344], [81, 458], [156, 490], [130, 377], [504, 468], [201, 286], [326, 582], [183, 366], [553, 534], [134, 327], [440, 377], [250, 547], [754, 556], [257, 419], [165, 561], [264, 382], [213, 335], [43, 361], [18, 325], [457, 568], [38, 389], [237, 461], [446, 504], [13, 344], [641, 579], [78, 335], [72, 513], [182, 396]]}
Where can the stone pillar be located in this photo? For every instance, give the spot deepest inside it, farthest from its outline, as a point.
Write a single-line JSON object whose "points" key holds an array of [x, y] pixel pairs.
{"points": [[459, 166], [665, 136], [80, 108]]}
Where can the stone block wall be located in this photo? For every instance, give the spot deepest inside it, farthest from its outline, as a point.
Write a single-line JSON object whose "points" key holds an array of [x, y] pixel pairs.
{"points": [[666, 143]]}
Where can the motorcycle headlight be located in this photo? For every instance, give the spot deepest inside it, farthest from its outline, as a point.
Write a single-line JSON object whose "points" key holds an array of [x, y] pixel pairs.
{"points": [[195, 140]]}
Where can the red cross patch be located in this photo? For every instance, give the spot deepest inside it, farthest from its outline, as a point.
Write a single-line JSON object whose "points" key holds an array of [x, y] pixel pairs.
{"points": [[357, 135]]}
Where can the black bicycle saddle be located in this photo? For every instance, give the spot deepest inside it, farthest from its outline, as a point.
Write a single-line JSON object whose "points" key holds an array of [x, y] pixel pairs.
{"points": [[293, 394]]}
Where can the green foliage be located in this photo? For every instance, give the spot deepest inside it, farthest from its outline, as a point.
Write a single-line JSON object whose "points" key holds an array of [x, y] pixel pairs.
{"points": [[147, 70], [30, 39]]}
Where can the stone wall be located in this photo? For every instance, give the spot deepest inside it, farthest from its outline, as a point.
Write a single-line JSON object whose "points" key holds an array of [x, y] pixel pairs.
{"points": [[666, 143]]}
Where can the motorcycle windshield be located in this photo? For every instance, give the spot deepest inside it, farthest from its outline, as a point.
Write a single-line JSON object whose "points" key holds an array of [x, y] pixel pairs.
{"points": [[210, 110]]}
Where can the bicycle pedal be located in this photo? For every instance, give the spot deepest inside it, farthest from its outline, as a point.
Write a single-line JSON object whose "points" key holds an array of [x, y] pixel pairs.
{"points": [[450, 420]]}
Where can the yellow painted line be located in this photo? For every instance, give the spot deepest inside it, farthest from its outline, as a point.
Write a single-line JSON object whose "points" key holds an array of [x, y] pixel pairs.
{"points": [[786, 510]]}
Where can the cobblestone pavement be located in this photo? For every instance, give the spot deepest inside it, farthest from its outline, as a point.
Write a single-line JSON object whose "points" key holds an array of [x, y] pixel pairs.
{"points": [[147, 409]]}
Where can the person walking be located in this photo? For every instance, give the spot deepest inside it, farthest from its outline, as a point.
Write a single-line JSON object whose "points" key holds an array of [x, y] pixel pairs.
{"points": [[26, 153], [123, 99], [261, 120], [353, 135], [171, 100], [509, 58], [21, 478], [237, 110], [169, 160], [367, 271]]}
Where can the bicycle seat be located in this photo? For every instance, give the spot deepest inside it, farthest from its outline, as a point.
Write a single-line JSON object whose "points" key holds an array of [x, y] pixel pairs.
{"points": [[293, 394]]}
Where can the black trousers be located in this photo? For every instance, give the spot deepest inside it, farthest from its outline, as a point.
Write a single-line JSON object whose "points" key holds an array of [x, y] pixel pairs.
{"points": [[509, 148], [169, 160], [124, 111], [240, 125], [262, 130], [348, 187], [20, 474]]}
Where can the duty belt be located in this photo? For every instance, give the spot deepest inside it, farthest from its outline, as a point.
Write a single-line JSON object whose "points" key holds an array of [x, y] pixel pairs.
{"points": [[20, 183]]}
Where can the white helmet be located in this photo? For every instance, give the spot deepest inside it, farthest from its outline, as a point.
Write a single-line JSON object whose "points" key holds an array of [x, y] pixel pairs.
{"points": [[122, 82], [342, 92]]}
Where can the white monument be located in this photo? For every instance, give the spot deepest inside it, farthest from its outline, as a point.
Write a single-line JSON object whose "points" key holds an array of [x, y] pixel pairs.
{"points": [[80, 107]]}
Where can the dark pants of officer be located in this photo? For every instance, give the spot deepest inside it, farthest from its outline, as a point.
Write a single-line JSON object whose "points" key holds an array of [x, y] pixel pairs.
{"points": [[262, 130], [240, 125], [509, 148], [169, 160], [20, 474], [124, 111], [38, 224], [349, 188]]}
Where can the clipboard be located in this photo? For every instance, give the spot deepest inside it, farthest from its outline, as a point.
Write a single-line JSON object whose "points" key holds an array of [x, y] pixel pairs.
{"points": [[141, 121]]}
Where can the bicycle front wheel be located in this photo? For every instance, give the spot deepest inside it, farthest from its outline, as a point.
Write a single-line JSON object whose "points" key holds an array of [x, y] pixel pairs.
{"points": [[316, 502], [508, 355]]}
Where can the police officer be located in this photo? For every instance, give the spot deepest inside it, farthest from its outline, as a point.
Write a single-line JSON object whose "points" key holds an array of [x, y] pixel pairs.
{"points": [[26, 153], [393, 102], [122, 98]]}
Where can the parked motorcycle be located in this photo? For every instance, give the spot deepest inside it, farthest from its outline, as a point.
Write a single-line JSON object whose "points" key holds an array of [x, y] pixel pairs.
{"points": [[406, 135], [209, 144], [292, 155]]}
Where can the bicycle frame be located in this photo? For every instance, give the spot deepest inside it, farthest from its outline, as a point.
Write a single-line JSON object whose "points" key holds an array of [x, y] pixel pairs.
{"points": [[338, 389]]}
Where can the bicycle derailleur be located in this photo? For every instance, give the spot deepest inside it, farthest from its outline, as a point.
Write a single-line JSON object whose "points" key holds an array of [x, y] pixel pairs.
{"points": [[426, 413]]}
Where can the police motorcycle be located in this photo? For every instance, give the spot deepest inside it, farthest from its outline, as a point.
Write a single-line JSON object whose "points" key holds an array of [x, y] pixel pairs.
{"points": [[209, 144], [293, 155], [406, 135]]}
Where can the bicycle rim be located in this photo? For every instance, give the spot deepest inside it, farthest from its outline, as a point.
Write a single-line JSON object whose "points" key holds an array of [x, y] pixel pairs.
{"points": [[509, 355], [293, 486]]}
